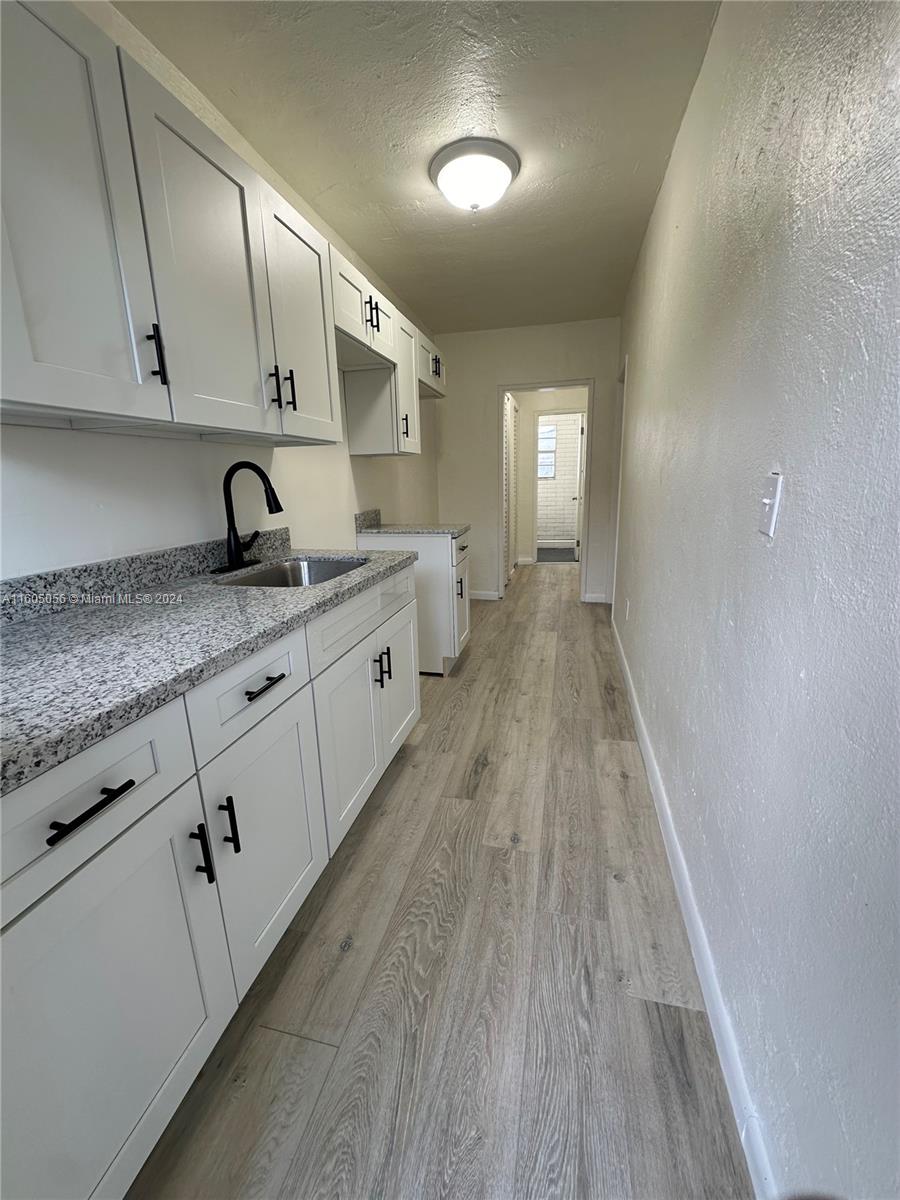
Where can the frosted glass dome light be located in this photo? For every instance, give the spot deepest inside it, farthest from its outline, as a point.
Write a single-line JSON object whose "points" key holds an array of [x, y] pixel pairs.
{"points": [[473, 173]]}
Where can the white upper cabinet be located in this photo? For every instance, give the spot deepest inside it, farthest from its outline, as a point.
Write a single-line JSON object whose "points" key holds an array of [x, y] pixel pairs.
{"points": [[301, 300], [409, 437], [361, 310], [432, 368], [204, 230], [77, 302]]}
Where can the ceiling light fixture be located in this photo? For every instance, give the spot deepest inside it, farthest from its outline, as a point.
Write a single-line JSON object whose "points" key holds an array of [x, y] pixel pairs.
{"points": [[474, 173]]}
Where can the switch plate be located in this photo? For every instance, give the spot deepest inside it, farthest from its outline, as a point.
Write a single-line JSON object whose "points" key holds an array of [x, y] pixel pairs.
{"points": [[771, 502]]}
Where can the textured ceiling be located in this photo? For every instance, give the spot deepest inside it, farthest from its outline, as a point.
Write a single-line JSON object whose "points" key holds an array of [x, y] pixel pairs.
{"points": [[348, 102]]}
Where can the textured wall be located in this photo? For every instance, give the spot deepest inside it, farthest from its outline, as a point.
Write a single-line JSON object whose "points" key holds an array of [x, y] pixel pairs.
{"points": [[761, 335], [482, 363], [556, 504]]}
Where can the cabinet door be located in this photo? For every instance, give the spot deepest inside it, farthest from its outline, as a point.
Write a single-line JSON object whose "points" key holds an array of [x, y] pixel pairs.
{"points": [[116, 987], [348, 719], [204, 230], [385, 338], [400, 708], [263, 804], [461, 582], [300, 294], [409, 438], [77, 301], [352, 298]]}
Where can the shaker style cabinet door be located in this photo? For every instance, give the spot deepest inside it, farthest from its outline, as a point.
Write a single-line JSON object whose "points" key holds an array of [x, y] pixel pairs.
{"points": [[263, 802], [116, 987], [462, 614], [400, 708], [77, 302], [409, 438], [204, 231], [348, 720], [302, 321]]}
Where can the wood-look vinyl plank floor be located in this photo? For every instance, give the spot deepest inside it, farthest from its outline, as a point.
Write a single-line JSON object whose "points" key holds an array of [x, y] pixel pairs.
{"points": [[489, 994]]}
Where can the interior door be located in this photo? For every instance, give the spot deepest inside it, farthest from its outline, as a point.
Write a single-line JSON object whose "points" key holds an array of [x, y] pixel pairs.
{"points": [[351, 750], [77, 300], [116, 987], [302, 321], [409, 436], [263, 802], [399, 689], [204, 229]]}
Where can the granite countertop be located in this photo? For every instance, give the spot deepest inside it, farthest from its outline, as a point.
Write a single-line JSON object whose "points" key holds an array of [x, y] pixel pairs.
{"points": [[74, 677], [419, 530]]}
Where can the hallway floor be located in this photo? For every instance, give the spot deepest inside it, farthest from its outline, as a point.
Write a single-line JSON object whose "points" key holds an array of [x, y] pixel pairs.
{"points": [[489, 994]]}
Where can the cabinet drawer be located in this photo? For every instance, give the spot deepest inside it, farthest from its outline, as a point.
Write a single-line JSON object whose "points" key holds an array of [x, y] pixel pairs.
{"points": [[335, 632], [459, 548], [152, 756], [223, 708]]}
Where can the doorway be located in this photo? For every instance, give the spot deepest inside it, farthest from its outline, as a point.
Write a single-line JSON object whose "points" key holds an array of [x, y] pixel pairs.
{"points": [[544, 480]]}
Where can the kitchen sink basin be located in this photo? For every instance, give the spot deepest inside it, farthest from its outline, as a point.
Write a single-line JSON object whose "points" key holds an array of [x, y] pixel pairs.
{"points": [[296, 572]]}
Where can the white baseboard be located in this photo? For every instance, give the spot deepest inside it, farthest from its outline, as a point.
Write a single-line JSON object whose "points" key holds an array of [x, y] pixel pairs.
{"points": [[595, 598], [750, 1126], [483, 595], [524, 562]]}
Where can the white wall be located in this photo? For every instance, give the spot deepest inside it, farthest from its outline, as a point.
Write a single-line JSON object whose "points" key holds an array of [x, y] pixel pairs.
{"points": [[70, 497], [761, 335], [530, 404], [480, 365]]}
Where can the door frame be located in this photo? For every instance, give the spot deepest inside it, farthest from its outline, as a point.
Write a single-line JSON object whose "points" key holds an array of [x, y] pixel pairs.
{"points": [[532, 386], [582, 451]]}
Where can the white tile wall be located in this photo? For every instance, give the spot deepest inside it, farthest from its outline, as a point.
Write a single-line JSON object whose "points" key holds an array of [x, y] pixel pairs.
{"points": [[556, 510]]}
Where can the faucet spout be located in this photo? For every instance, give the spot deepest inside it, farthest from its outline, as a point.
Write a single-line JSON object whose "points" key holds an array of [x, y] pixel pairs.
{"points": [[234, 546]]}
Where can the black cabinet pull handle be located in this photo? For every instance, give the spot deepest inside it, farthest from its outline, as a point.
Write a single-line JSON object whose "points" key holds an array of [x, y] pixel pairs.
{"points": [[199, 835], [62, 829], [464, 547], [276, 375], [390, 673], [377, 312], [406, 425], [271, 680], [289, 378], [436, 365], [369, 307], [156, 338], [234, 837], [379, 663], [459, 588]]}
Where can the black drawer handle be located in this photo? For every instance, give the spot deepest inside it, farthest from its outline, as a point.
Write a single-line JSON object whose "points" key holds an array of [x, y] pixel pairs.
{"points": [[379, 663], [459, 588], [156, 338], [271, 680], [234, 837], [389, 674], [463, 548], [207, 869], [276, 375], [289, 378], [109, 796]]}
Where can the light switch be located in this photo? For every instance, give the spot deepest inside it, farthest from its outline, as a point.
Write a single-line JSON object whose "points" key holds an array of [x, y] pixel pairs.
{"points": [[771, 502]]}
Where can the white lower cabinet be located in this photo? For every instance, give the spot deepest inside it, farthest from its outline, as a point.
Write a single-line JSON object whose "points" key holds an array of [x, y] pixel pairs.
{"points": [[348, 720], [263, 802], [398, 653], [461, 625], [366, 704], [116, 987]]}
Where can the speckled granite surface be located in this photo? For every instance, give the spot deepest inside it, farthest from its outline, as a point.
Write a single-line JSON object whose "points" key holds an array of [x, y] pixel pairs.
{"points": [[73, 679], [50, 592], [369, 521]]}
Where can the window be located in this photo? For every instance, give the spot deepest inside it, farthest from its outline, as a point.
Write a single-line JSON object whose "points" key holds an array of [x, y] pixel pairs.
{"points": [[546, 451]]}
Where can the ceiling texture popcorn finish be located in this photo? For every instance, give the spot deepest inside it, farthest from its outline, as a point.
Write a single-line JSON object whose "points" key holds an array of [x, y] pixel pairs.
{"points": [[350, 101]]}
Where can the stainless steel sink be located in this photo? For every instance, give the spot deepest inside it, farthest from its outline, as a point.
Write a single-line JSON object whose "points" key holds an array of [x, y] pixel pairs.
{"points": [[296, 572]]}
